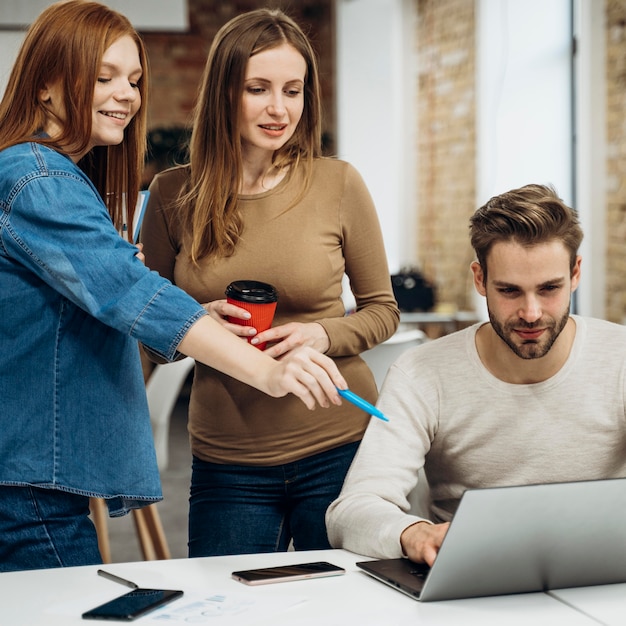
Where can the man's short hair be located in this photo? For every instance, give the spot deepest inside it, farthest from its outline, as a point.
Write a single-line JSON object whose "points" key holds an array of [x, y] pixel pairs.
{"points": [[530, 215]]}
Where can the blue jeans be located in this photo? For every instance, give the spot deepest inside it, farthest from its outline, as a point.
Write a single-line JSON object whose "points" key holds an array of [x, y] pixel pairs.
{"points": [[239, 509], [42, 528]]}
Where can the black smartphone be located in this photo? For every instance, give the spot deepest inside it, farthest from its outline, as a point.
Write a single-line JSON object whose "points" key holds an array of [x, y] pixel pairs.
{"points": [[284, 573], [132, 605]]}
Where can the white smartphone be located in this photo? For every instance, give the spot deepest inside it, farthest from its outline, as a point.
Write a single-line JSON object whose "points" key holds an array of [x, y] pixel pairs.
{"points": [[284, 573]]}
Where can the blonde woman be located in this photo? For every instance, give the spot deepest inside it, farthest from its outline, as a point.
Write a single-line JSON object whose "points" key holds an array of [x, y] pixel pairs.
{"points": [[258, 202]]}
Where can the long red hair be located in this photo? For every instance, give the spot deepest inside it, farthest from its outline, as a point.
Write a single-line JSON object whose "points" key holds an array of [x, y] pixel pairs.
{"points": [[64, 46]]}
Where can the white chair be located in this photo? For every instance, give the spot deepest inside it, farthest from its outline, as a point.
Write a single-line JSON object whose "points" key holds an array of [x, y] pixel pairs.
{"points": [[419, 498], [380, 357], [379, 360], [163, 388]]}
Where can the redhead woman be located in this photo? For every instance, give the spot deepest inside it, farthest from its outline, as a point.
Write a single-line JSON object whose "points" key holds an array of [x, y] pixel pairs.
{"points": [[77, 298]]}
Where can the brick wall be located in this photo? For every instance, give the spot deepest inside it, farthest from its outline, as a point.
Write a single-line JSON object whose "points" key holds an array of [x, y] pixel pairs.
{"points": [[177, 59], [446, 154], [446, 149], [445, 97], [615, 11]]}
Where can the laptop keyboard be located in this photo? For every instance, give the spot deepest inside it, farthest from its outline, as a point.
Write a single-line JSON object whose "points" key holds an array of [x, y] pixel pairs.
{"points": [[420, 571]]}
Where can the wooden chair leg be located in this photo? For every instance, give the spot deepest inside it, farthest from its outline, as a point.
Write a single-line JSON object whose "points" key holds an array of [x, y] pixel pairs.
{"points": [[99, 516], [150, 533]]}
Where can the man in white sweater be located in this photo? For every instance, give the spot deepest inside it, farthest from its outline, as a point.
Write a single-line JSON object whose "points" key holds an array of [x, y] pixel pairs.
{"points": [[535, 395]]}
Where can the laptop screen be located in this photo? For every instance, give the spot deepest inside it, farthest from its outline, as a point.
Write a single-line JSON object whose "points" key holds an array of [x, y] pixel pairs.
{"points": [[526, 538]]}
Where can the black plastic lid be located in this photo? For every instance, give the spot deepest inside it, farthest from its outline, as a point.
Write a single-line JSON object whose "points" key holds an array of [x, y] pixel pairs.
{"points": [[252, 291]]}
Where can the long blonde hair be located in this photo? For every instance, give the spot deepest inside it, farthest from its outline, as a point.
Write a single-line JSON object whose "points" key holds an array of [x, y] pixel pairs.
{"points": [[209, 205], [65, 46]]}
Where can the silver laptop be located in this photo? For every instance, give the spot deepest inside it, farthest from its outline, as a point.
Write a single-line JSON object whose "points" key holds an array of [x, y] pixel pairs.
{"points": [[507, 540]]}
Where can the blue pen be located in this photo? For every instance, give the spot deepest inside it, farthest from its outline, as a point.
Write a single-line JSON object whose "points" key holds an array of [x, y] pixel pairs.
{"points": [[362, 404]]}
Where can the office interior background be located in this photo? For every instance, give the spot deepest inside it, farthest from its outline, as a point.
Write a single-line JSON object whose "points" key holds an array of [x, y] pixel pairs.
{"points": [[440, 104]]}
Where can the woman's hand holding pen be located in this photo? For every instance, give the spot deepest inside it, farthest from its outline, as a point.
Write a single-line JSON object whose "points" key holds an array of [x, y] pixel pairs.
{"points": [[308, 374]]}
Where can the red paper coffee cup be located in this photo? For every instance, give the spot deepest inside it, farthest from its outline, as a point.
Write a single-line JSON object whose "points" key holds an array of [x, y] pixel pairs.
{"points": [[256, 297]]}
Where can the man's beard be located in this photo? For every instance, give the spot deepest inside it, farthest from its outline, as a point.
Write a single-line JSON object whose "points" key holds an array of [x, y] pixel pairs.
{"points": [[529, 349]]}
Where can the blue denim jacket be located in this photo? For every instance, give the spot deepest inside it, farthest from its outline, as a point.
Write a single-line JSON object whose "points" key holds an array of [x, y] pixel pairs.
{"points": [[74, 302]]}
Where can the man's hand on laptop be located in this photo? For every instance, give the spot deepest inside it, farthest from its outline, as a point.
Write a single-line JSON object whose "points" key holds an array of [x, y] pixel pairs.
{"points": [[421, 541]]}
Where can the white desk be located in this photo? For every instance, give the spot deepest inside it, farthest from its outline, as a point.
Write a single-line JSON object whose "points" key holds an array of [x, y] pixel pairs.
{"points": [[58, 597], [607, 603]]}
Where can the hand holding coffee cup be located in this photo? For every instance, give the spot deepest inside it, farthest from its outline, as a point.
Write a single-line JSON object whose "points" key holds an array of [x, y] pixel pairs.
{"points": [[256, 297]]}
